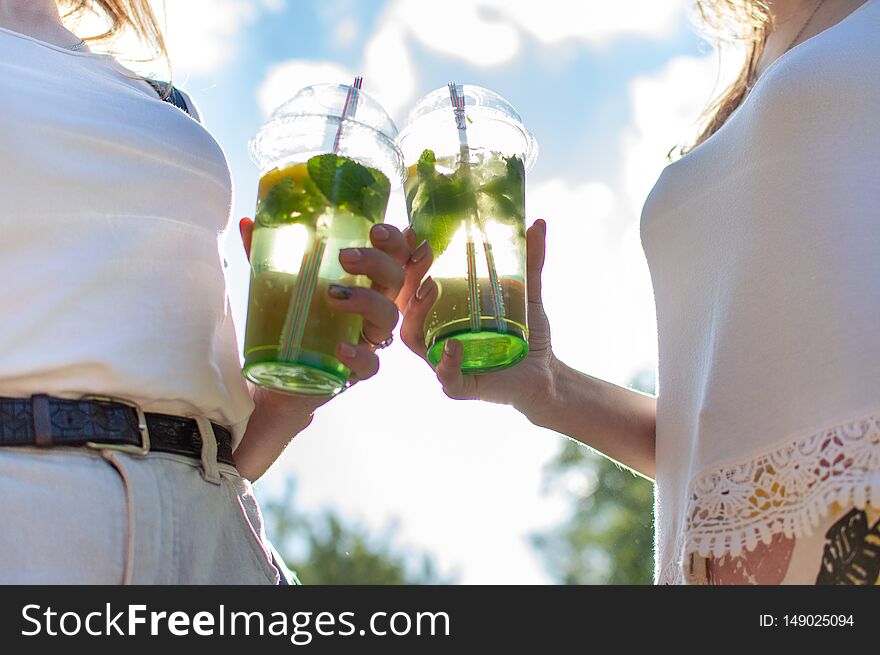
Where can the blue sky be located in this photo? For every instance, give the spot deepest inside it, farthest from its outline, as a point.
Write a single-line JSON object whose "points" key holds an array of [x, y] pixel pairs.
{"points": [[607, 89]]}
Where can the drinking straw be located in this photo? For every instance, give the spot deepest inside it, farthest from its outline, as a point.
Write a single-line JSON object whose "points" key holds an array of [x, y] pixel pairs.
{"points": [[301, 299], [457, 99]]}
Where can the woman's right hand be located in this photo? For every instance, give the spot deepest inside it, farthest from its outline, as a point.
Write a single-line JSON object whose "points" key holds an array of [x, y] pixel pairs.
{"points": [[616, 421], [528, 386]]}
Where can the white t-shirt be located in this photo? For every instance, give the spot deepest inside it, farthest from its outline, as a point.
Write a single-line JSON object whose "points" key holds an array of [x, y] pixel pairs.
{"points": [[113, 206], [764, 250]]}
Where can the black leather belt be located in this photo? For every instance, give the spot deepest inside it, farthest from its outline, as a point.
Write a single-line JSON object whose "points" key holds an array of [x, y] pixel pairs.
{"points": [[103, 423]]}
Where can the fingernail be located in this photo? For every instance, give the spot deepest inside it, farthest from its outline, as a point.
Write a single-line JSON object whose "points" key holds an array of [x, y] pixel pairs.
{"points": [[407, 230], [339, 292], [420, 253], [347, 350], [542, 224], [422, 291], [350, 255], [449, 347], [380, 233]]}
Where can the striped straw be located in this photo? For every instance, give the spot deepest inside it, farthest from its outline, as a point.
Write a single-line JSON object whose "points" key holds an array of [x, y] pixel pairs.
{"points": [[348, 109], [456, 97], [293, 330]]}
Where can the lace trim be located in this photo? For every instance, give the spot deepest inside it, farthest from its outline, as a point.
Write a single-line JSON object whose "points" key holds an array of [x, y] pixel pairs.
{"points": [[787, 489]]}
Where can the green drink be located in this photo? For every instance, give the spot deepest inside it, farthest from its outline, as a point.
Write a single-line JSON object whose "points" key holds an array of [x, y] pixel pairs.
{"points": [[465, 195], [310, 206]]}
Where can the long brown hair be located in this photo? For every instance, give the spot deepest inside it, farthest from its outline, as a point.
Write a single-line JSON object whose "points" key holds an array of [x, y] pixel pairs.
{"points": [[732, 21], [120, 16]]}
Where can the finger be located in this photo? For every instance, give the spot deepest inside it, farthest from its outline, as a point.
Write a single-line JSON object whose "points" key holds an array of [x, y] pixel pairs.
{"points": [[386, 274], [414, 272], [390, 240], [380, 314], [536, 243], [412, 331], [449, 370], [410, 235], [246, 228], [362, 361]]}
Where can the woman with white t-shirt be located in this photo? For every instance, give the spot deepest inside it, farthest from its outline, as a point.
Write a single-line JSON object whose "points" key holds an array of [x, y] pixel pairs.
{"points": [[117, 332], [763, 243]]}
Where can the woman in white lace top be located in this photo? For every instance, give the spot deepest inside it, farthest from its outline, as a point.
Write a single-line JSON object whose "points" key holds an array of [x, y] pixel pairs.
{"points": [[763, 242]]}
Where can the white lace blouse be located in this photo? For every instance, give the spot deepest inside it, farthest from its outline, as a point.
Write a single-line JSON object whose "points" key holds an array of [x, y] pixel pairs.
{"points": [[764, 250]]}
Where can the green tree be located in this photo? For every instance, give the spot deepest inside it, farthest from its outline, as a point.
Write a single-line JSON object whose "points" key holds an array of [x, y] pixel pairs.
{"points": [[608, 538], [323, 549]]}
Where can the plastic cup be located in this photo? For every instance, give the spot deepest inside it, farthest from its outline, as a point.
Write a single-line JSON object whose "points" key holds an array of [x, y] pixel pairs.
{"points": [[465, 194], [314, 199]]}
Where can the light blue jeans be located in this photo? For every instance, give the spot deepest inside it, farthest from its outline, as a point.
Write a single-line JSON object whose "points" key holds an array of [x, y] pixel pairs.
{"points": [[76, 516]]}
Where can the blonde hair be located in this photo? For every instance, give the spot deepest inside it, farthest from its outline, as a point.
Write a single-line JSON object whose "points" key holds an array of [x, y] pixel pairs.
{"points": [[745, 21], [118, 17]]}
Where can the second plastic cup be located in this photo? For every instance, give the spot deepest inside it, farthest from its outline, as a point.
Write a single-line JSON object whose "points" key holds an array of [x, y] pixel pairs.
{"points": [[326, 170], [465, 194]]}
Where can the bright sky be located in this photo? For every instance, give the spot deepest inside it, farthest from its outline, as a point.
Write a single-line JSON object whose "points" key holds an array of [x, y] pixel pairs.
{"points": [[607, 88]]}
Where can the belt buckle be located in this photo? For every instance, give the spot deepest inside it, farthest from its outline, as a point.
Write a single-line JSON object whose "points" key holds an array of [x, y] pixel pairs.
{"points": [[139, 450]]}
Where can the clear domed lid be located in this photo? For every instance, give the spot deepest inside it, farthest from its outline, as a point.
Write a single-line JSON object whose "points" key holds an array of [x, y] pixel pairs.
{"points": [[307, 125], [492, 123]]}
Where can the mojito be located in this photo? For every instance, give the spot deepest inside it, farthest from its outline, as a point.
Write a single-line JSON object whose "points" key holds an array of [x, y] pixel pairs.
{"points": [[306, 213], [471, 212]]}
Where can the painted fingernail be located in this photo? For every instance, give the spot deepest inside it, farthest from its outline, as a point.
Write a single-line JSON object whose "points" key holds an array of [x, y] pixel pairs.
{"points": [[350, 255], [420, 253], [339, 292], [347, 350], [422, 291], [380, 233]]}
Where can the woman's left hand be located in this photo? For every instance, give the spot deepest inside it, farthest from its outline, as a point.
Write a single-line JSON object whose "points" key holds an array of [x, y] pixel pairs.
{"points": [[278, 417]]}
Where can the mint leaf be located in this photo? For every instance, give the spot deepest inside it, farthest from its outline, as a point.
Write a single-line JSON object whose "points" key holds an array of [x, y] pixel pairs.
{"points": [[351, 186], [426, 166], [287, 203], [374, 198], [340, 179], [450, 194], [516, 177], [438, 231], [439, 204]]}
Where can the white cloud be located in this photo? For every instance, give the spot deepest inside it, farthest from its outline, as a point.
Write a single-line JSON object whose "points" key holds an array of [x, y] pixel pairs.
{"points": [[594, 22], [283, 80], [597, 289], [460, 29], [488, 33], [339, 19], [201, 35], [345, 31], [666, 108], [597, 286], [387, 66]]}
